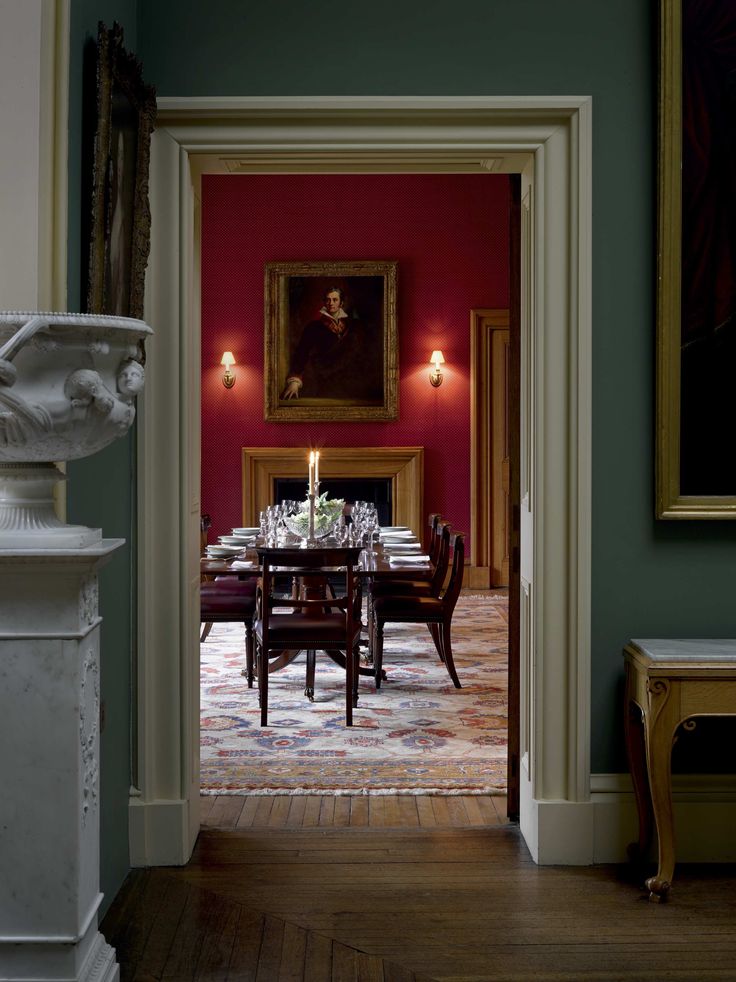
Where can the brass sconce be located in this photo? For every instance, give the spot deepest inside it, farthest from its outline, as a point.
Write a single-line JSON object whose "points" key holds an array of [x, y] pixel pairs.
{"points": [[228, 379], [437, 359]]}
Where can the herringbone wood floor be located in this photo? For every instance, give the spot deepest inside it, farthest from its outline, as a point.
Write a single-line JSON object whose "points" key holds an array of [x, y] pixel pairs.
{"points": [[323, 890]]}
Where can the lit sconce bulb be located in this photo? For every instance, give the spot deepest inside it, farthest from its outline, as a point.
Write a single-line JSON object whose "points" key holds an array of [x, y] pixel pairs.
{"points": [[436, 359], [228, 379]]}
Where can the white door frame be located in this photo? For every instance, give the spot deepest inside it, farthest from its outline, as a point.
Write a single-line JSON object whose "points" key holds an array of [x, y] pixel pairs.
{"points": [[472, 134]]}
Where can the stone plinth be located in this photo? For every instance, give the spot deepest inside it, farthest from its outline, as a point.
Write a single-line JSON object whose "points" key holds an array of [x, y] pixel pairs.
{"points": [[49, 766]]}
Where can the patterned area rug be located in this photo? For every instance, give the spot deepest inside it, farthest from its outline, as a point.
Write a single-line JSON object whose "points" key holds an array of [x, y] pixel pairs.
{"points": [[418, 734]]}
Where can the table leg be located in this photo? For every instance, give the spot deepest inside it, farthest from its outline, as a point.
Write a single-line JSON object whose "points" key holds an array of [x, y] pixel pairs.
{"points": [[636, 752], [661, 721]]}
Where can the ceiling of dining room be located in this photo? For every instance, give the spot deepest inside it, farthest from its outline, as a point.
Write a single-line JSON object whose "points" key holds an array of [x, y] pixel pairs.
{"points": [[448, 233]]}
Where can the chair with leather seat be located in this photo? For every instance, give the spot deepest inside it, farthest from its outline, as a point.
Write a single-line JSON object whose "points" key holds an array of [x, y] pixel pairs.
{"points": [[227, 599], [312, 620], [434, 611]]}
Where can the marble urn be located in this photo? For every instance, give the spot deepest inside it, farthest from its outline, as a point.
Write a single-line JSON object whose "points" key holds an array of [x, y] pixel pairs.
{"points": [[68, 384]]}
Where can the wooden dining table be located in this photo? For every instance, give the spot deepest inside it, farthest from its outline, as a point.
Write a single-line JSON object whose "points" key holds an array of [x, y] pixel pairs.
{"points": [[375, 564]]}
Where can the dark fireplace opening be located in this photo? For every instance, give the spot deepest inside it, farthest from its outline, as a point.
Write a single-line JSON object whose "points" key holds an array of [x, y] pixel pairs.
{"points": [[375, 489]]}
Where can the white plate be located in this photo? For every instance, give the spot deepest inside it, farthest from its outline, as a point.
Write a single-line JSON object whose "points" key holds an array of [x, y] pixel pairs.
{"points": [[395, 528], [223, 550], [246, 531], [236, 540]]}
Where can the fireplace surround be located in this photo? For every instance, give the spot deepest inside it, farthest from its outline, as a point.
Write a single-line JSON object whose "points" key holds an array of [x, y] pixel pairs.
{"points": [[402, 466]]}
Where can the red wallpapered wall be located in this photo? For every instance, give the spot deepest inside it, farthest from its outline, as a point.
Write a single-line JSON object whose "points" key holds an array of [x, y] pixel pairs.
{"points": [[449, 235]]}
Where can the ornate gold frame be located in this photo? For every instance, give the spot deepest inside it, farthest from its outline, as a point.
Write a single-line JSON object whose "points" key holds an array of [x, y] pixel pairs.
{"points": [[119, 77], [670, 503], [276, 347]]}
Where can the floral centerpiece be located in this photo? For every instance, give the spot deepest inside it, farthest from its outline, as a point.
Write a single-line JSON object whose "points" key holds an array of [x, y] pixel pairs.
{"points": [[327, 512]]}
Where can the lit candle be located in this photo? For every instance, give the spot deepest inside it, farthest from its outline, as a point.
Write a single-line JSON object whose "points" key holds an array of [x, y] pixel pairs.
{"points": [[311, 471], [316, 468]]}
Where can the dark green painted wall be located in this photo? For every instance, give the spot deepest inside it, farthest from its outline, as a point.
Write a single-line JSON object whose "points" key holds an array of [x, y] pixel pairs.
{"points": [[100, 488], [649, 578]]}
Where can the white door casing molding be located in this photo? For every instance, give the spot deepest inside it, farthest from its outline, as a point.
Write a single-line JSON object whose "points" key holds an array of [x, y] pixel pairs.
{"points": [[281, 135]]}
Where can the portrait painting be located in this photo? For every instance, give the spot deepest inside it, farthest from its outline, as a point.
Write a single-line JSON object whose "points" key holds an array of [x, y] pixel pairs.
{"points": [[696, 283], [121, 218], [331, 343]]}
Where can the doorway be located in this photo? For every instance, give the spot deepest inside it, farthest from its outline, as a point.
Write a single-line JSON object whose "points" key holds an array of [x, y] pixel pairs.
{"points": [[460, 135], [449, 236]]}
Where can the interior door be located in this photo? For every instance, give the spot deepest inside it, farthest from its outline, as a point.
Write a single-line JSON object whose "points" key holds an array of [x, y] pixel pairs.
{"points": [[513, 501]]}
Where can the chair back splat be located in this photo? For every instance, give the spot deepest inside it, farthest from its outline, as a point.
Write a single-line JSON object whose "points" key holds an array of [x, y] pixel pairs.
{"points": [[313, 619], [434, 519]]}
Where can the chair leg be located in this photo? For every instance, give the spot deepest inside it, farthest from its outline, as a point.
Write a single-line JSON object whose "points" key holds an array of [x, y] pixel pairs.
{"points": [[249, 653], [434, 630], [378, 649], [205, 631], [311, 665], [356, 674], [350, 672], [263, 684], [447, 651]]}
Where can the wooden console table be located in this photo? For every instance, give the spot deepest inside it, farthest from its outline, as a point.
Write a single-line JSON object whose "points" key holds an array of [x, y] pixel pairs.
{"points": [[669, 683]]}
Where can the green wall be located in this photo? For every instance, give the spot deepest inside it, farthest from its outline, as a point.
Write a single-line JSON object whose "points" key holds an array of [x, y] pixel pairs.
{"points": [[100, 488], [649, 578]]}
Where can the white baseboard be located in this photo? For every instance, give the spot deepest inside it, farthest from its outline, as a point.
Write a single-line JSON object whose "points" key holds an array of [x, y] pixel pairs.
{"points": [[599, 830], [159, 832]]}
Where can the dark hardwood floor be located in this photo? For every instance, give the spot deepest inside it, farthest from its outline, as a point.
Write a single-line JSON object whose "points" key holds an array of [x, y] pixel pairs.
{"points": [[341, 889]]}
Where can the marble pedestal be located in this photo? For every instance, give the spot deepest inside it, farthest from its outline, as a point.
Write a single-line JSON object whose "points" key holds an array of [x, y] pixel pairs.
{"points": [[49, 766]]}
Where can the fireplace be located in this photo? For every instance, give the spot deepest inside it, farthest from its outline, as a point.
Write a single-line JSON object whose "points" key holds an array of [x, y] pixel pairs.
{"points": [[395, 475], [352, 489]]}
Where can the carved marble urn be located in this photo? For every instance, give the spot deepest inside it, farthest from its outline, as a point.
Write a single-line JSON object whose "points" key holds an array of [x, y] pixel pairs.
{"points": [[68, 384]]}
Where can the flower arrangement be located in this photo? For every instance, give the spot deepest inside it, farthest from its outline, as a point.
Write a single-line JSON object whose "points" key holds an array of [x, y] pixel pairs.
{"points": [[327, 512]]}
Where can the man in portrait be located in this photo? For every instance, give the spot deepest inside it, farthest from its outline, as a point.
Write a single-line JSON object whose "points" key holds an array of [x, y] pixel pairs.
{"points": [[336, 355]]}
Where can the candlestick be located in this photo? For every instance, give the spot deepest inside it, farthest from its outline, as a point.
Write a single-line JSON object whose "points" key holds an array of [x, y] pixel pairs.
{"points": [[311, 471], [316, 468]]}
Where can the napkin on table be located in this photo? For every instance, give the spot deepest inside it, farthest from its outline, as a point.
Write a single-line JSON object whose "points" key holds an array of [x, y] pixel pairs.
{"points": [[403, 560]]}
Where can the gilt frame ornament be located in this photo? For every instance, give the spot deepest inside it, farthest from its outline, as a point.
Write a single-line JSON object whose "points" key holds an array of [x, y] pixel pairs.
{"points": [[120, 212], [331, 365], [696, 264]]}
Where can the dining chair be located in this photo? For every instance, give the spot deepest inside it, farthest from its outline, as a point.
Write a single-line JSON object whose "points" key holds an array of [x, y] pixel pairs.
{"points": [[311, 620], [416, 585], [435, 612], [225, 600]]}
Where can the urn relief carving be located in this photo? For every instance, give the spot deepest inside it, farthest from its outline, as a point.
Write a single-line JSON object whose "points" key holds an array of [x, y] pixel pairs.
{"points": [[68, 384]]}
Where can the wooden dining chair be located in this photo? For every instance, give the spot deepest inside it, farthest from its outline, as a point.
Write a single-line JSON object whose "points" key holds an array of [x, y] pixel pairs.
{"points": [[435, 612], [312, 620], [225, 600], [426, 586]]}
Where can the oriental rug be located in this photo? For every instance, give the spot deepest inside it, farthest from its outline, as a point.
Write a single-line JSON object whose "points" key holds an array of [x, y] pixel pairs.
{"points": [[417, 735]]}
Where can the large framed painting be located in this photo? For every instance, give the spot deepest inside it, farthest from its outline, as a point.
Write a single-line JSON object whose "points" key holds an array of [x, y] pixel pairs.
{"points": [[696, 274], [331, 349], [120, 213]]}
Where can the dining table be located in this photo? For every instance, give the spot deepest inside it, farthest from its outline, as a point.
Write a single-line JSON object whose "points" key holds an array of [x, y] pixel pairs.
{"points": [[379, 560]]}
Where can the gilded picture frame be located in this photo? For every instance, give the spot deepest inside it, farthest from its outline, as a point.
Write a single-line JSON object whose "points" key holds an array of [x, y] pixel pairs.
{"points": [[120, 213], [696, 266], [331, 343]]}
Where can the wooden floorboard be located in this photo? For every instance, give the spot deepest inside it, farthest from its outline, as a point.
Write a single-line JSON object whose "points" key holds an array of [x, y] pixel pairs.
{"points": [[419, 902]]}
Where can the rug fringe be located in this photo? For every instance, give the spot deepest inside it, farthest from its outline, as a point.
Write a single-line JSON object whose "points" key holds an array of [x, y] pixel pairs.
{"points": [[356, 792]]}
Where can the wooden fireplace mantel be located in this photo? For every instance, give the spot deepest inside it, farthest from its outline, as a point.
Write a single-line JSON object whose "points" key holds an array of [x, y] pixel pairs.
{"points": [[404, 466]]}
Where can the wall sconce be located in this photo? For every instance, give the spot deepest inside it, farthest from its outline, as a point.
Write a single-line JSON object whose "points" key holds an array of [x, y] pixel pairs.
{"points": [[228, 379], [437, 359]]}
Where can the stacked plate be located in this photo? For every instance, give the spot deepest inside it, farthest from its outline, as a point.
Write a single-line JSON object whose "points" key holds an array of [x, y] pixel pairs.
{"points": [[223, 551]]}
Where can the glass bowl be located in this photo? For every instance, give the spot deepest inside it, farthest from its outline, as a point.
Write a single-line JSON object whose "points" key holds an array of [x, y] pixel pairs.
{"points": [[325, 519]]}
